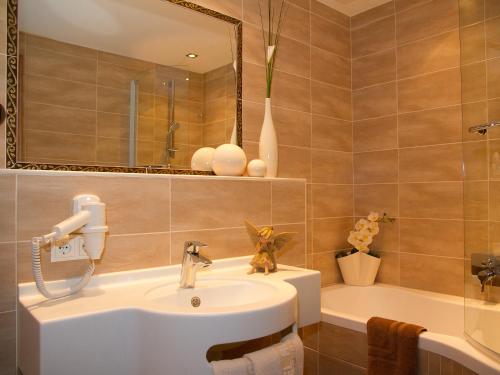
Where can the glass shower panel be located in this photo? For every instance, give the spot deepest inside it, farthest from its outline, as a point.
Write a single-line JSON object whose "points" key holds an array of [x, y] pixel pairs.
{"points": [[480, 70]]}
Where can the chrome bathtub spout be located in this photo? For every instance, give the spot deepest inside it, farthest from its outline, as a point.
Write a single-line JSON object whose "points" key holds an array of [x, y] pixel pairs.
{"points": [[192, 261]]}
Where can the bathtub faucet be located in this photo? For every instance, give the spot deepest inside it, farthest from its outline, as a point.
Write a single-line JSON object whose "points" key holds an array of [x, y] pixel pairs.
{"points": [[491, 269]]}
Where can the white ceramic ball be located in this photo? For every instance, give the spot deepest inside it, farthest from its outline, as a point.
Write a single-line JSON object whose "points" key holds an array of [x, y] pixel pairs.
{"points": [[202, 159], [256, 168], [229, 160]]}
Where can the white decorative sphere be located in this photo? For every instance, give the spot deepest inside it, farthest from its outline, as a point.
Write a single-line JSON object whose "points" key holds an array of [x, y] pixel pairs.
{"points": [[229, 160], [202, 159], [256, 168]]}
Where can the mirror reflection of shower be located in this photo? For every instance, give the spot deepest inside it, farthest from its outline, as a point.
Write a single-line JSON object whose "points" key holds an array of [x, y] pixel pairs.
{"points": [[168, 156], [173, 125]]}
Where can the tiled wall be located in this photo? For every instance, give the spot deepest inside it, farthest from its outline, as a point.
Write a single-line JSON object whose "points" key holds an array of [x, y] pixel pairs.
{"points": [[219, 106], [407, 139], [332, 349], [480, 41], [90, 123]]}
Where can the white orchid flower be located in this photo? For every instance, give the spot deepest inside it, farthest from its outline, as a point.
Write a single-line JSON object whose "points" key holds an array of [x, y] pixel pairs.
{"points": [[373, 228], [374, 216], [361, 224]]}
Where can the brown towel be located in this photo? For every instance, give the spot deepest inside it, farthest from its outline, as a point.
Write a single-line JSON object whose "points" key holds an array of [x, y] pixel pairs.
{"points": [[392, 347]]}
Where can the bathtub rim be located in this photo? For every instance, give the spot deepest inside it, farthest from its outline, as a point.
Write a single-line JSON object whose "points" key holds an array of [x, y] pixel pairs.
{"points": [[459, 349]]}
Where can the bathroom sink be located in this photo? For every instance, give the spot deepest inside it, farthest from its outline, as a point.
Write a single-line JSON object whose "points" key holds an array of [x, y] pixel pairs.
{"points": [[219, 295], [140, 322]]}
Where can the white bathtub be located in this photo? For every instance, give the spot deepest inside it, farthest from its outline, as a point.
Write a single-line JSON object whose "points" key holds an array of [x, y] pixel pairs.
{"points": [[442, 315]]}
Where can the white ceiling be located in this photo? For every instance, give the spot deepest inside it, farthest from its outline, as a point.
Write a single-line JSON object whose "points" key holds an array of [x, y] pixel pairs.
{"points": [[353, 7], [150, 30]]}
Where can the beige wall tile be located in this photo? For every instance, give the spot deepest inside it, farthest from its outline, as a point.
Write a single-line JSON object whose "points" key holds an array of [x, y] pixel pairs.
{"points": [[376, 167], [473, 82], [436, 126], [39, 145], [388, 238], [471, 11], [294, 162], [428, 19], [475, 160], [51, 118], [331, 101], [436, 274], [432, 237], [476, 236], [476, 200], [61, 47], [113, 100], [153, 215], [430, 91], [493, 78], [472, 39], [373, 14], [288, 202], [330, 68], [210, 204], [494, 205], [8, 343], [328, 266], [475, 114], [375, 101], [374, 69], [59, 65], [389, 268], [373, 37], [7, 208], [331, 234], [377, 197], [290, 91], [331, 167], [329, 13], [48, 91], [492, 8], [429, 55], [402, 5], [376, 134], [331, 134], [431, 163], [344, 344], [440, 200], [330, 36], [7, 277], [492, 37], [332, 200], [293, 57], [112, 151]]}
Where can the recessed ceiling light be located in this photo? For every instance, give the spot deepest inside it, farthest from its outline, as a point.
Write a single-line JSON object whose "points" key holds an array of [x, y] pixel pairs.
{"points": [[192, 55], [187, 78]]}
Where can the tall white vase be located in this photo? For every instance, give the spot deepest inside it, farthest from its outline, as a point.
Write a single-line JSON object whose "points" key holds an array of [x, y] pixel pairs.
{"points": [[268, 143]]}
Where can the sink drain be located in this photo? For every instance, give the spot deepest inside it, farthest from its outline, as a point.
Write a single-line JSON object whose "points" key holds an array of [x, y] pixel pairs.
{"points": [[195, 301]]}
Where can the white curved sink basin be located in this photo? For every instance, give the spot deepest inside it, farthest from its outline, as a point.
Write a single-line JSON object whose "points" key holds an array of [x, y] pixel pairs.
{"points": [[220, 295], [142, 323]]}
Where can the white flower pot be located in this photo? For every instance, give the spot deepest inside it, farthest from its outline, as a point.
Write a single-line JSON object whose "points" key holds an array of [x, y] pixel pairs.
{"points": [[359, 269]]}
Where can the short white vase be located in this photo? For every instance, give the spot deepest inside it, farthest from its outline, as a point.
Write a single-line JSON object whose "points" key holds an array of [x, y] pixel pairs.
{"points": [[268, 142], [359, 269]]}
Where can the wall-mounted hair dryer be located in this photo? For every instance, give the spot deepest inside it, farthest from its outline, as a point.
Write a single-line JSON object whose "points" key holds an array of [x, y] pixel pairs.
{"points": [[89, 219]]}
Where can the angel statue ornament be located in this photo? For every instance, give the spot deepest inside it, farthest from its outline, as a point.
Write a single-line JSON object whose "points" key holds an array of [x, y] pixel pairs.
{"points": [[266, 243]]}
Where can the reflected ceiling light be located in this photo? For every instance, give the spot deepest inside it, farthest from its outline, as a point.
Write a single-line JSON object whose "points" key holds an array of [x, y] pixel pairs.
{"points": [[192, 55], [187, 78]]}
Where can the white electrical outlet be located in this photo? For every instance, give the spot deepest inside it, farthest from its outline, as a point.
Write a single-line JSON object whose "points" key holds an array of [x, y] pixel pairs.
{"points": [[67, 248]]}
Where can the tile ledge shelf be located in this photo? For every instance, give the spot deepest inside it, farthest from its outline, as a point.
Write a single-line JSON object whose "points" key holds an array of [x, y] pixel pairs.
{"points": [[34, 172]]}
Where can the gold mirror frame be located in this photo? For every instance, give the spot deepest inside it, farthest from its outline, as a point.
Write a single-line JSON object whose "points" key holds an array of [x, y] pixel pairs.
{"points": [[12, 97]]}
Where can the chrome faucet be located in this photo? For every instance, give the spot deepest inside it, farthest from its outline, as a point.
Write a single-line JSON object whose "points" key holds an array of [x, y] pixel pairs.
{"points": [[491, 269], [192, 261]]}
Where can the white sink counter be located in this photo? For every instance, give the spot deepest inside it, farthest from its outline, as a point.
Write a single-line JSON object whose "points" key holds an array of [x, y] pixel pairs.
{"points": [[119, 321]]}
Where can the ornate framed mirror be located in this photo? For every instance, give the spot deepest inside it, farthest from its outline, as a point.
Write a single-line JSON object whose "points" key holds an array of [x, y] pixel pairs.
{"points": [[120, 85]]}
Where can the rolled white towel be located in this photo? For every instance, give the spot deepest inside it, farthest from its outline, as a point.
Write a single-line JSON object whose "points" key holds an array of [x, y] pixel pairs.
{"points": [[285, 358], [240, 366]]}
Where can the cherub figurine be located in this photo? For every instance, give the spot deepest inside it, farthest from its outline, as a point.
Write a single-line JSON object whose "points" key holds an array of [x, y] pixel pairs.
{"points": [[266, 243]]}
